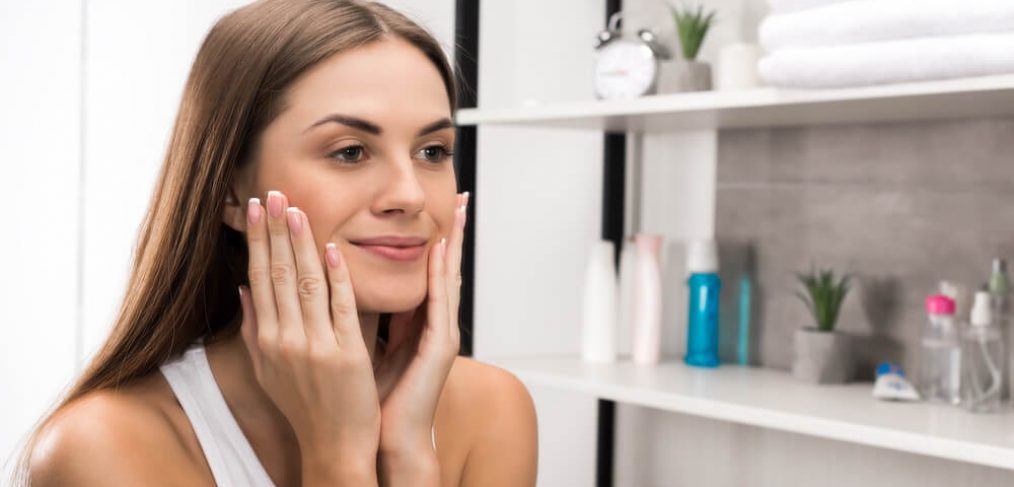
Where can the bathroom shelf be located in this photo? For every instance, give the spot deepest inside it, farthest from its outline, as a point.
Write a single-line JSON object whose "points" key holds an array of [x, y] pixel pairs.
{"points": [[765, 107], [773, 399]]}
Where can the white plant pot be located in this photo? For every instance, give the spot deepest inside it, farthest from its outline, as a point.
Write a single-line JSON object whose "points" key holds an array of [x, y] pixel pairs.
{"points": [[822, 357]]}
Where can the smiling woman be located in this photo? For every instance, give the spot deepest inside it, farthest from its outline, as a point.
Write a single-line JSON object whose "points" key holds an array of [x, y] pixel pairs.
{"points": [[310, 165]]}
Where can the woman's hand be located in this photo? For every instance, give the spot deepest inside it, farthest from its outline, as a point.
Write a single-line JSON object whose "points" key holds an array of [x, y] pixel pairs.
{"points": [[421, 349], [303, 334]]}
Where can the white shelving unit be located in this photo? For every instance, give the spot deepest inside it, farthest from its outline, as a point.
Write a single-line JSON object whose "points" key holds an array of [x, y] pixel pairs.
{"points": [[774, 399], [766, 107], [763, 397]]}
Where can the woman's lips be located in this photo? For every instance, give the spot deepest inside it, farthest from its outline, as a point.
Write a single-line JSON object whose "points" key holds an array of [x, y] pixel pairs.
{"points": [[401, 254]]}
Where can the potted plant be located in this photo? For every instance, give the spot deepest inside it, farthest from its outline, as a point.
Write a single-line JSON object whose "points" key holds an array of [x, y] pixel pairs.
{"points": [[688, 74], [822, 355]]}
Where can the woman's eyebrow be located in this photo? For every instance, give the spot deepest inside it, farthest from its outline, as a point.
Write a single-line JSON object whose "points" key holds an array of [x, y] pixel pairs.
{"points": [[370, 127]]}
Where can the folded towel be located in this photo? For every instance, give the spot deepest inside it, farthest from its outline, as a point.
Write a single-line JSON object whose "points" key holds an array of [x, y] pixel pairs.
{"points": [[875, 20], [916, 59], [783, 6]]}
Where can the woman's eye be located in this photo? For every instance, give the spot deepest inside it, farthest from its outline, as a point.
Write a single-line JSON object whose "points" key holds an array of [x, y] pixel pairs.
{"points": [[350, 151], [438, 152]]}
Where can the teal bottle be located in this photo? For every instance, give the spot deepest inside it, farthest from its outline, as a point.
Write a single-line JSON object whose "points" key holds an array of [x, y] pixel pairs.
{"points": [[702, 332], [703, 288]]}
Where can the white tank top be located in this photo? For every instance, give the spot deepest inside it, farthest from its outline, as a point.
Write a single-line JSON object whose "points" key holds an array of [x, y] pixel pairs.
{"points": [[229, 454]]}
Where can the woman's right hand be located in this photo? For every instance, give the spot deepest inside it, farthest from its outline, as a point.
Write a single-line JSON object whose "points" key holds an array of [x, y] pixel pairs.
{"points": [[303, 334]]}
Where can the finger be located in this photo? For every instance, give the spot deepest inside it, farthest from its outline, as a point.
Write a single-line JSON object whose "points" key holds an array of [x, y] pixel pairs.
{"points": [[436, 304], [457, 235], [248, 328], [311, 284], [453, 260], [259, 270], [344, 316], [283, 270]]}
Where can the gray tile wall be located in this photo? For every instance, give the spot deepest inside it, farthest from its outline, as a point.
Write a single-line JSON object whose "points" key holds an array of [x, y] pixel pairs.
{"points": [[899, 205]]}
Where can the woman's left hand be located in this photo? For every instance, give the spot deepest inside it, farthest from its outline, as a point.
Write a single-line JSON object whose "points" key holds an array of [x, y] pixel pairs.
{"points": [[421, 349]]}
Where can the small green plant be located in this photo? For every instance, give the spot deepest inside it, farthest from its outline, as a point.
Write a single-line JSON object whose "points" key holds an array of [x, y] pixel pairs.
{"points": [[691, 25], [824, 294]]}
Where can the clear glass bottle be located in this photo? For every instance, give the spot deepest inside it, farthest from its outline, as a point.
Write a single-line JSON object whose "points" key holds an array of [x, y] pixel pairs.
{"points": [[1000, 301], [982, 355], [940, 358]]}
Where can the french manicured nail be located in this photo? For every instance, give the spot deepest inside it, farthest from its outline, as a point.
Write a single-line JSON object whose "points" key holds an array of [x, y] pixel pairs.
{"points": [[295, 220], [331, 254], [254, 210], [275, 204]]}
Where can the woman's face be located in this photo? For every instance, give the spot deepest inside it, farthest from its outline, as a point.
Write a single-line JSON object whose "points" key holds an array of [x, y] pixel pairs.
{"points": [[363, 147]]}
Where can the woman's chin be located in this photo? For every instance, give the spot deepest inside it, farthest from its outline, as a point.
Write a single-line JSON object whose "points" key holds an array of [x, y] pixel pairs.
{"points": [[384, 301]]}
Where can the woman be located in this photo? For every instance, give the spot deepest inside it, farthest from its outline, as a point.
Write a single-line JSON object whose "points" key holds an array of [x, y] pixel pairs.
{"points": [[310, 163]]}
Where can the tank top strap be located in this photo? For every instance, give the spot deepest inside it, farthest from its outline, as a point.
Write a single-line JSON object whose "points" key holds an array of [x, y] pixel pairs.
{"points": [[230, 456]]}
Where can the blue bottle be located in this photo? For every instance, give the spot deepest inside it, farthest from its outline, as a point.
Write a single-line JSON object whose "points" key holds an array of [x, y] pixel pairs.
{"points": [[704, 287]]}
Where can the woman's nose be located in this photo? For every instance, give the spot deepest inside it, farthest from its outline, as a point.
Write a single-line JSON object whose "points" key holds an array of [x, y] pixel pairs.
{"points": [[402, 189]]}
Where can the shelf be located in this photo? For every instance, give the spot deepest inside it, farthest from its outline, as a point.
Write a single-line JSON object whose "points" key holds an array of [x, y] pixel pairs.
{"points": [[774, 399], [766, 107]]}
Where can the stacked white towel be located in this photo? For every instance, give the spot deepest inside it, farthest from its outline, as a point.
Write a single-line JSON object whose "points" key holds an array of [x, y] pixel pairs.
{"points": [[839, 43]]}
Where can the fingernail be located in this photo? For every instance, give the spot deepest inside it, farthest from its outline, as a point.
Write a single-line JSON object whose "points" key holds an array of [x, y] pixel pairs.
{"points": [[254, 211], [274, 204], [443, 246], [295, 220], [467, 194], [331, 254]]}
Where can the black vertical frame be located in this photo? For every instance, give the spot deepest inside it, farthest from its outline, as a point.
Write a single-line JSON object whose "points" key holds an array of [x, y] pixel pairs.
{"points": [[613, 200], [466, 60]]}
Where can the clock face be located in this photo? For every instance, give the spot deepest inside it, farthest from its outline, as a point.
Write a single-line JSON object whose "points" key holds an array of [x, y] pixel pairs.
{"points": [[624, 69]]}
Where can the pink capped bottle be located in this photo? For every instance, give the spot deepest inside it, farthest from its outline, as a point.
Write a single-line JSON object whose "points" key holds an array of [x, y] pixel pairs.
{"points": [[940, 355]]}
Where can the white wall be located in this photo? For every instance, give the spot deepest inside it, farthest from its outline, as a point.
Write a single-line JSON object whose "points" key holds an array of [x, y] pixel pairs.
{"points": [[40, 158]]}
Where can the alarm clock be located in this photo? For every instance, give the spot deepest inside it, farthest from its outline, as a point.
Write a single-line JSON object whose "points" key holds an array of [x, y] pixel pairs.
{"points": [[624, 67]]}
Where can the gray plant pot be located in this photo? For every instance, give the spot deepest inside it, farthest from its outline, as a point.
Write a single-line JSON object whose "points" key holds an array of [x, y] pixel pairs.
{"points": [[680, 75], [822, 357]]}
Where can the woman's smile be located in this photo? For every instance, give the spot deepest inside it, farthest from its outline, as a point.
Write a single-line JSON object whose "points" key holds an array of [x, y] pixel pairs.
{"points": [[394, 247]]}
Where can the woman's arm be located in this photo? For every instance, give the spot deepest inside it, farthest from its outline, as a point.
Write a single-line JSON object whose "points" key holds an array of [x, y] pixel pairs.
{"points": [[409, 467]]}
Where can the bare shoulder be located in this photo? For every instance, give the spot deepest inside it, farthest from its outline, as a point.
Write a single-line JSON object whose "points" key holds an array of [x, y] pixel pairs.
{"points": [[489, 383], [111, 437], [504, 450]]}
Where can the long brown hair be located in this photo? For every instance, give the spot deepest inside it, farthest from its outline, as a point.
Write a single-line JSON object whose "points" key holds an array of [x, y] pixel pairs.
{"points": [[187, 263]]}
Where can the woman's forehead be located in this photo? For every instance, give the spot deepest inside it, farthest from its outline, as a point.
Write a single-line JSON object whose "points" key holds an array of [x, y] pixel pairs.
{"points": [[390, 76]]}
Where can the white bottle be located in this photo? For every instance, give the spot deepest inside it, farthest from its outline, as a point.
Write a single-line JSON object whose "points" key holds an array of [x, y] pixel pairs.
{"points": [[599, 310], [628, 289], [647, 326], [982, 357]]}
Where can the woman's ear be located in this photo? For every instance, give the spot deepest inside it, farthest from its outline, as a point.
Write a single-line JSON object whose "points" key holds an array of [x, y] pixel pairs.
{"points": [[234, 212]]}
